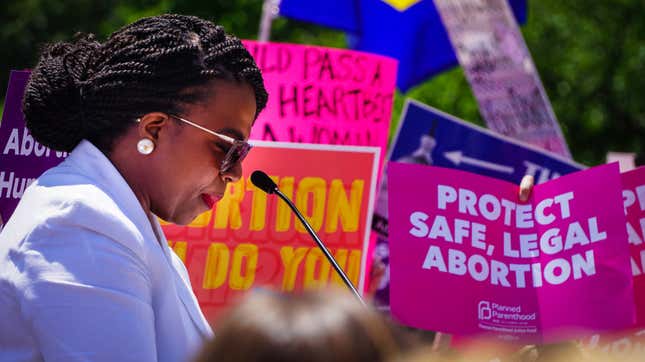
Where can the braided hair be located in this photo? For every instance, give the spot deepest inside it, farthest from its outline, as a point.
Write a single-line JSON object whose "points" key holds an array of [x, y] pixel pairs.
{"points": [[88, 90]]}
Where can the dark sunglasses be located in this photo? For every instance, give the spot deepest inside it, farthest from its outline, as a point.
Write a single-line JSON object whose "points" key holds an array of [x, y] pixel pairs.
{"points": [[237, 152]]}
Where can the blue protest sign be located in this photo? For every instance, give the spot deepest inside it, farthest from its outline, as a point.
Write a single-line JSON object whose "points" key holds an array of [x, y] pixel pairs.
{"points": [[427, 135]]}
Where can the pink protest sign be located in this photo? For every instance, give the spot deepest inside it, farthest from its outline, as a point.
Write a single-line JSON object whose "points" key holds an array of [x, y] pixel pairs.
{"points": [[468, 258], [324, 95], [634, 203]]}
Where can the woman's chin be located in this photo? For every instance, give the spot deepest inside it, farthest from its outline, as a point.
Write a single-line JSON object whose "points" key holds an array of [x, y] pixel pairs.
{"points": [[182, 219], [187, 218], [187, 214]]}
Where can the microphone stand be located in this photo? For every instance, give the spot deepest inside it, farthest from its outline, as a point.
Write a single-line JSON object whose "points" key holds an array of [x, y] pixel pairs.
{"points": [[320, 244]]}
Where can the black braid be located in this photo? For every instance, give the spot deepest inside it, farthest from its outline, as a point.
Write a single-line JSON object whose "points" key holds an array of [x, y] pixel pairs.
{"points": [[85, 89]]}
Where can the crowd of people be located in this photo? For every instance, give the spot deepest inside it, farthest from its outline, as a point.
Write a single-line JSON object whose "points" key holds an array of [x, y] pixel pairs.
{"points": [[332, 326]]}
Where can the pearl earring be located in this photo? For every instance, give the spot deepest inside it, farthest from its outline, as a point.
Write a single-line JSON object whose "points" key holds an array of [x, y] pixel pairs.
{"points": [[145, 146]]}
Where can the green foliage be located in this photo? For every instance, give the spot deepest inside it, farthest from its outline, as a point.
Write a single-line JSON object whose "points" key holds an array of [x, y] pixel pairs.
{"points": [[590, 56]]}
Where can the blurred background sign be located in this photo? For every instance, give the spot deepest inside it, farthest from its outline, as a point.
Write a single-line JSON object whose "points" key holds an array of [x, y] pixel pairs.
{"points": [[501, 73]]}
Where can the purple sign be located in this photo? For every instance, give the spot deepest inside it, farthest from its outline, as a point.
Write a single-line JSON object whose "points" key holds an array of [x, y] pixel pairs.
{"points": [[499, 68], [22, 159], [468, 258]]}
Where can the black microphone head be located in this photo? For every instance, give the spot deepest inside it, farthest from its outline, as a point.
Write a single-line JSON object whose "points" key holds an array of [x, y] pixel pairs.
{"points": [[262, 181]]}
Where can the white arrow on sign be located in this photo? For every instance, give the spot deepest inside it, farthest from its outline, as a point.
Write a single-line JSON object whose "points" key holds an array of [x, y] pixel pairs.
{"points": [[457, 157]]}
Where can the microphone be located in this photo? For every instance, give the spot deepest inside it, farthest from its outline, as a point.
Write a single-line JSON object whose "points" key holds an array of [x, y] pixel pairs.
{"points": [[262, 181]]}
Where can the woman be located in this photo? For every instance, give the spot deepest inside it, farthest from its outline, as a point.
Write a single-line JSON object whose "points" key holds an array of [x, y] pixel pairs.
{"points": [[156, 119]]}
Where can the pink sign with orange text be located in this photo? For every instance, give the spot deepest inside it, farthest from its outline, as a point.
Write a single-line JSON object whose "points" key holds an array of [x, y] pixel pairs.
{"points": [[468, 258]]}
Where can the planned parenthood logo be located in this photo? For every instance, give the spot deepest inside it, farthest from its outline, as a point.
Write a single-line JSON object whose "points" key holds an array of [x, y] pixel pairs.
{"points": [[505, 318], [484, 312]]}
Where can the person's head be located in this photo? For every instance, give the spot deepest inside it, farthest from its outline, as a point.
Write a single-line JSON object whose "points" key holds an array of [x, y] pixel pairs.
{"points": [[427, 143], [139, 85], [318, 326], [639, 160]]}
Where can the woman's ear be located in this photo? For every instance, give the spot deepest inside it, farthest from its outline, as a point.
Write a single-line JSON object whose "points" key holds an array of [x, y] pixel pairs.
{"points": [[151, 124]]}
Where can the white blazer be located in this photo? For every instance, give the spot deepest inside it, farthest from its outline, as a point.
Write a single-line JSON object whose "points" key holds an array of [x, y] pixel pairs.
{"points": [[84, 278]]}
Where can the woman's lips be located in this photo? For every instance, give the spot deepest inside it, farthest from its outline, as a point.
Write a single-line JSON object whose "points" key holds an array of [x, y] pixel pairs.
{"points": [[209, 200]]}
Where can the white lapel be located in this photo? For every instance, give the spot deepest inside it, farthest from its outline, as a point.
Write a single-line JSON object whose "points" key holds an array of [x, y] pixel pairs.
{"points": [[96, 165], [183, 286]]}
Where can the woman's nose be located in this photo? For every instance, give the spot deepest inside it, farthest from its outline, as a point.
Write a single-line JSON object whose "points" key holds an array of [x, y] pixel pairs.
{"points": [[233, 173]]}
